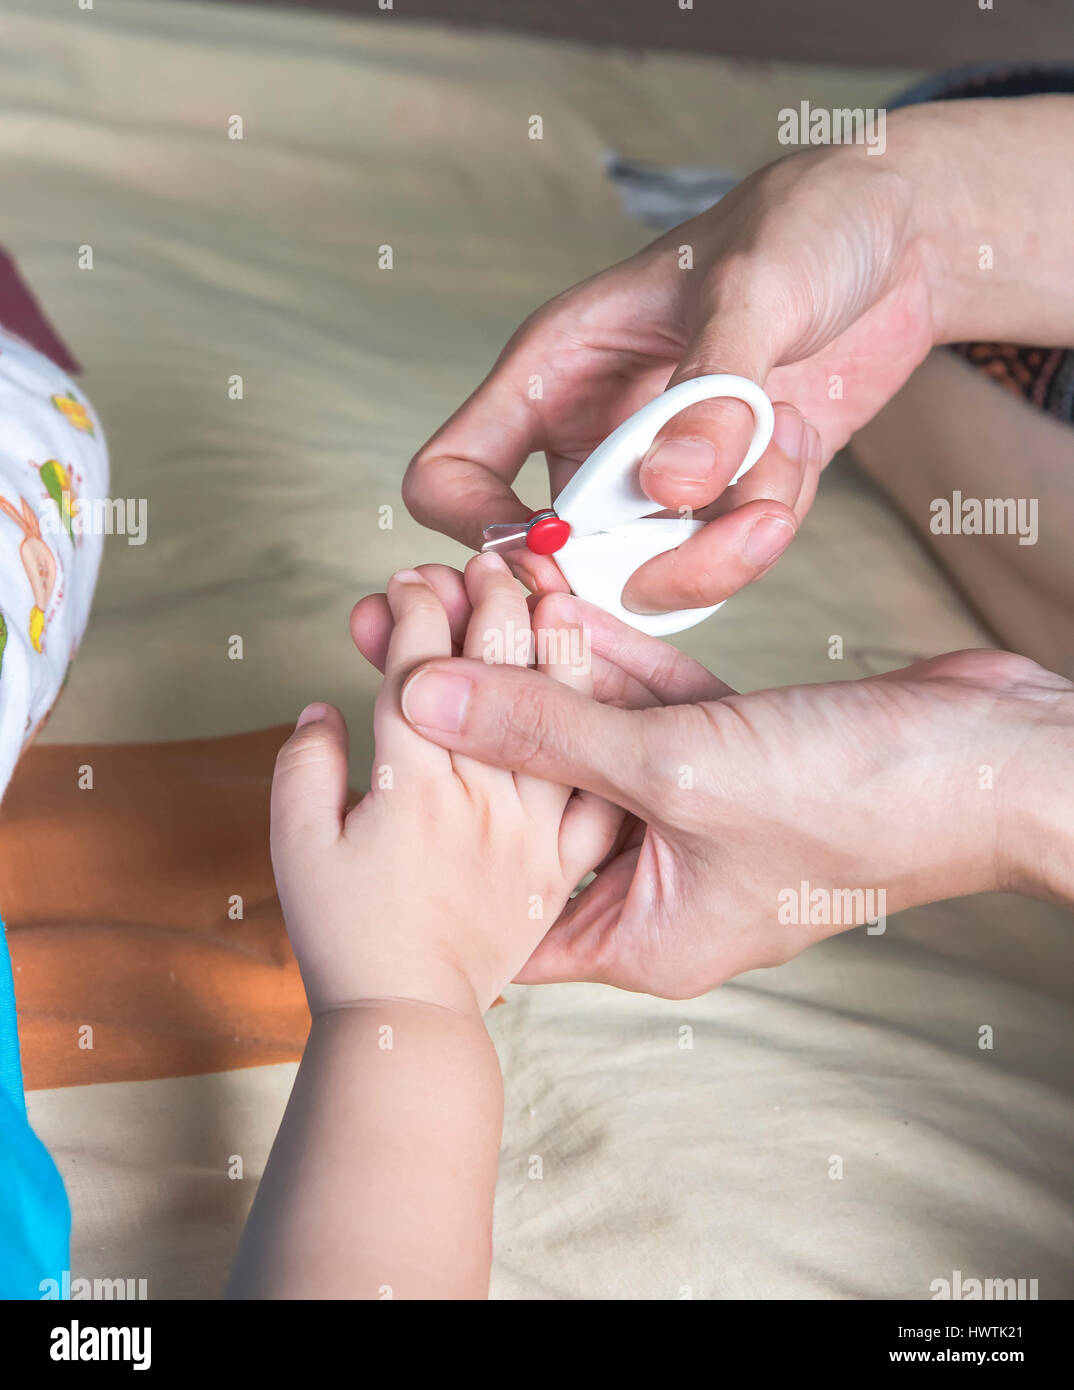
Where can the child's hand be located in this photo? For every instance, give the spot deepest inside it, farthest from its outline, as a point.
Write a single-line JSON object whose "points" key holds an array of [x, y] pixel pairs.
{"points": [[442, 881]]}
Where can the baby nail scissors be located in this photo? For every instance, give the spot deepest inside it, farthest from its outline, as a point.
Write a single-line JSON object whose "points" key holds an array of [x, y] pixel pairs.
{"points": [[601, 528]]}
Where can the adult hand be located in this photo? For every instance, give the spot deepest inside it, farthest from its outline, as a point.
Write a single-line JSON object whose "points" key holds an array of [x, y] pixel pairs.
{"points": [[875, 784], [826, 277], [808, 278]]}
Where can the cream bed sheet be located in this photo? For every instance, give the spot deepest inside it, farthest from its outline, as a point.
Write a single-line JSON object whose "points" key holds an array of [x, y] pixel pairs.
{"points": [[666, 1172]]}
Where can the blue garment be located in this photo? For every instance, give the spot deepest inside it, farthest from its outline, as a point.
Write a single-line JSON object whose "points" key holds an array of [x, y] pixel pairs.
{"points": [[35, 1220]]}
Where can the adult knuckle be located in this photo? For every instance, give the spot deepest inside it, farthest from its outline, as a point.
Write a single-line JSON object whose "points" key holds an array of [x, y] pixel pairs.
{"points": [[775, 951], [698, 577], [696, 793], [730, 279], [415, 486], [666, 760], [530, 730]]}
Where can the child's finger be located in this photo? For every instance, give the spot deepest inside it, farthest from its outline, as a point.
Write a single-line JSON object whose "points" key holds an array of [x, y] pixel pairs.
{"points": [[499, 626], [590, 824], [587, 833], [371, 628], [450, 588], [498, 633], [420, 624], [371, 618], [630, 668], [309, 784], [420, 631], [562, 652]]}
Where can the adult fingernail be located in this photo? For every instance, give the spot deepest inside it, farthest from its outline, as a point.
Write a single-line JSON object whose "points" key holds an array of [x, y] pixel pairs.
{"points": [[436, 700], [767, 540], [686, 460], [789, 433], [311, 714], [642, 608]]}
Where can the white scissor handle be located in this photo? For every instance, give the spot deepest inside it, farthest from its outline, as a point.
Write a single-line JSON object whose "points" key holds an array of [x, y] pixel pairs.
{"points": [[605, 505]]}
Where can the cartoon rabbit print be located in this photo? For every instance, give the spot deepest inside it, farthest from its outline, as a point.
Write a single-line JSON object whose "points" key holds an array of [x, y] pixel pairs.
{"points": [[39, 563]]}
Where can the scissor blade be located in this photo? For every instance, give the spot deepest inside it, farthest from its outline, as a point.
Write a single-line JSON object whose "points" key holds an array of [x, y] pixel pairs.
{"points": [[504, 535]]}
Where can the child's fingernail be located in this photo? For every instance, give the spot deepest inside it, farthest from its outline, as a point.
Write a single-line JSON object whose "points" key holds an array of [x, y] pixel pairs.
{"points": [[767, 540], [566, 607], [489, 560], [436, 700], [523, 574], [407, 577], [311, 714]]}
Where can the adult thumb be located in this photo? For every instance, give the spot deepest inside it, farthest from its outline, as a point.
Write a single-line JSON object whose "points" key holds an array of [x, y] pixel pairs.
{"points": [[520, 719], [697, 453]]}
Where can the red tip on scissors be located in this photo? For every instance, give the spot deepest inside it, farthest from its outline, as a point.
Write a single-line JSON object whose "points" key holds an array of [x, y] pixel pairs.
{"points": [[544, 533]]}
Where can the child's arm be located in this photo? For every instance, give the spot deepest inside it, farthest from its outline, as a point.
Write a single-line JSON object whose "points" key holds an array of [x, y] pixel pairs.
{"points": [[407, 916], [381, 1179]]}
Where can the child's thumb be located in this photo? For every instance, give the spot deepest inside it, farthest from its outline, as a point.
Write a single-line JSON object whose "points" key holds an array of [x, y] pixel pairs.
{"points": [[309, 785]]}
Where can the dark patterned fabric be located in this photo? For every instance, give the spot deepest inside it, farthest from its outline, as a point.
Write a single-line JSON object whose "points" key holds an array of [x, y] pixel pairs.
{"points": [[1043, 376]]}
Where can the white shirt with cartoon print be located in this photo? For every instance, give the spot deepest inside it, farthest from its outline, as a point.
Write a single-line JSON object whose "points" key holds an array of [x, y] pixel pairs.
{"points": [[53, 466]]}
